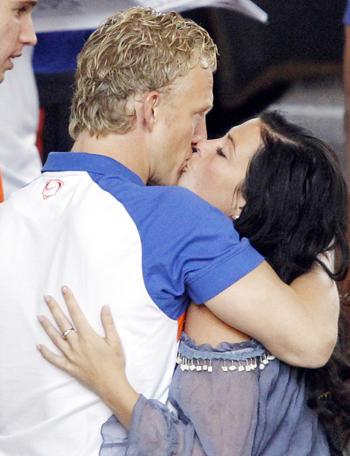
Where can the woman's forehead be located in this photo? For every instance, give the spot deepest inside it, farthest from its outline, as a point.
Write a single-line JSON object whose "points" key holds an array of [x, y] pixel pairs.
{"points": [[245, 127]]}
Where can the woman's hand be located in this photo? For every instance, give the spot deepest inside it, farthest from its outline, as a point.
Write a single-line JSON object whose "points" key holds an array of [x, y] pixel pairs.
{"points": [[96, 361]]}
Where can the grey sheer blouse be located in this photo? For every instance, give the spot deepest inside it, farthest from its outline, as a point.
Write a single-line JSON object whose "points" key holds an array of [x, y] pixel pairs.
{"points": [[234, 400]]}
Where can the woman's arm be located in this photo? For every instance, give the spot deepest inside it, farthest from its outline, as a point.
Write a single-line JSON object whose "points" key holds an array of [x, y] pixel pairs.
{"points": [[98, 363], [298, 323], [154, 430]]}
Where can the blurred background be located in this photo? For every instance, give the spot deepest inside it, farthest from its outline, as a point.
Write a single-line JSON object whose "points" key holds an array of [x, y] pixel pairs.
{"points": [[292, 63]]}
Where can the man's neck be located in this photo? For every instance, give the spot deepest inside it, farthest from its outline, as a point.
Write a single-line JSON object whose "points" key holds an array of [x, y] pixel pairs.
{"points": [[126, 149]]}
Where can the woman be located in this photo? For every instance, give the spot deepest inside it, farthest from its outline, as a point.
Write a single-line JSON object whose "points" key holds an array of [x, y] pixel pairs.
{"points": [[289, 198]]}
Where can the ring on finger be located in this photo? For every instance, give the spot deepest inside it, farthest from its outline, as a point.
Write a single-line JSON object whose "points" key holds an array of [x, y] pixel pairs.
{"points": [[67, 331]]}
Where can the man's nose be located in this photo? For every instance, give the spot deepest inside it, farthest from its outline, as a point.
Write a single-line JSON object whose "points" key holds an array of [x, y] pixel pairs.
{"points": [[28, 35], [200, 133]]}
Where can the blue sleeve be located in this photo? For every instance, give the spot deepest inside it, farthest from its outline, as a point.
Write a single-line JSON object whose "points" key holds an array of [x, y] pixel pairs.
{"points": [[346, 19], [191, 248]]}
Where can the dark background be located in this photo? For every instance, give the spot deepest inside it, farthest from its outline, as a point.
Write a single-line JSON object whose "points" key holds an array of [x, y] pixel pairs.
{"points": [[257, 63]]}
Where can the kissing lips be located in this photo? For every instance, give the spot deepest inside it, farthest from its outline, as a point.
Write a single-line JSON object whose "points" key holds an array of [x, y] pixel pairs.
{"points": [[184, 167]]}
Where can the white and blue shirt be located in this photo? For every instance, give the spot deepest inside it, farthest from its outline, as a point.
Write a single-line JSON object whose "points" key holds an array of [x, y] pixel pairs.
{"points": [[92, 224]]}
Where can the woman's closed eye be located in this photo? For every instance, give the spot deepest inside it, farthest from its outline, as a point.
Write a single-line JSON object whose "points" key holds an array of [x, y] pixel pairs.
{"points": [[220, 152]]}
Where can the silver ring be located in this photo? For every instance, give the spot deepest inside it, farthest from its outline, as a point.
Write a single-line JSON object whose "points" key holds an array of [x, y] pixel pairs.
{"points": [[67, 331]]}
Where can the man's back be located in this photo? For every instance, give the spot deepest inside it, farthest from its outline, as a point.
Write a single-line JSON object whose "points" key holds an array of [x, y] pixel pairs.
{"points": [[92, 224], [64, 229]]}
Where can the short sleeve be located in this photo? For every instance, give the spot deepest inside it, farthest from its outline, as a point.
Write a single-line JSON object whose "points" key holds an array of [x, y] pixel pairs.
{"points": [[156, 431], [192, 248]]}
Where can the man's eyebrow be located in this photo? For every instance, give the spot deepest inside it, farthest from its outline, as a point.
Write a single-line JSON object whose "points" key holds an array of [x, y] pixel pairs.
{"points": [[31, 3]]}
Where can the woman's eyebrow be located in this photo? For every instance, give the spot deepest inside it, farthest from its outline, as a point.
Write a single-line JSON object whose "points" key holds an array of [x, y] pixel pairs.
{"points": [[232, 141]]}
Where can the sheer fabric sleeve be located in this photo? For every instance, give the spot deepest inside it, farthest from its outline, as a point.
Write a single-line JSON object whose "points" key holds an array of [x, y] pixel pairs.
{"points": [[156, 431], [216, 415]]}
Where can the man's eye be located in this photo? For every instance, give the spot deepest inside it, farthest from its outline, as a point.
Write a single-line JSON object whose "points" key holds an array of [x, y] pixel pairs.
{"points": [[220, 152], [20, 11]]}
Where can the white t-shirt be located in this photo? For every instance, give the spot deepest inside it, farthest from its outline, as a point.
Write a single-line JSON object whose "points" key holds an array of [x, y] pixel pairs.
{"points": [[90, 223], [19, 114]]}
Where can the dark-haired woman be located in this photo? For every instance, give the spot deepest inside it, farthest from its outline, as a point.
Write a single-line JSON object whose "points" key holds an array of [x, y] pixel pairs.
{"points": [[234, 398]]}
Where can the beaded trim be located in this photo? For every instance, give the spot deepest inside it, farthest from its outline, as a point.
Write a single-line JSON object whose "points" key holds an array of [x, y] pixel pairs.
{"points": [[206, 365]]}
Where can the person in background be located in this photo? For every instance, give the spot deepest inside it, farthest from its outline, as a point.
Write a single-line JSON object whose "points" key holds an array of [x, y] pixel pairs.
{"points": [[16, 31], [19, 114], [19, 159]]}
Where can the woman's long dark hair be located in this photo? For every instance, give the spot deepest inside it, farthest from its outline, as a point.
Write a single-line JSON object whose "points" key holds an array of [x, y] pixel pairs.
{"points": [[297, 210]]}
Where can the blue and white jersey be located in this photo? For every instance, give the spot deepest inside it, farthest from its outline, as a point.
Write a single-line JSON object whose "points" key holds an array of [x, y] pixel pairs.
{"points": [[90, 223]]}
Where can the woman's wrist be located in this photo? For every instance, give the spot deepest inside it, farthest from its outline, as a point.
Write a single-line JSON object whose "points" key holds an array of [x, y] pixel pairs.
{"points": [[121, 397]]}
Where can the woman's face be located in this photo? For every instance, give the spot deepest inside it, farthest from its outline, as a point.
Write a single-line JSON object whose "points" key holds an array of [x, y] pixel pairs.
{"points": [[218, 168]]}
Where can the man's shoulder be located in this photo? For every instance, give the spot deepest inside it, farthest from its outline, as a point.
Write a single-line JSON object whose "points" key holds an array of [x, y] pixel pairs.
{"points": [[176, 214], [183, 201], [170, 209]]}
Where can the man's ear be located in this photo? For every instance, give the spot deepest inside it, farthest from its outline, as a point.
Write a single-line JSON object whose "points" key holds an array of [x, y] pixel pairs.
{"points": [[150, 105]]}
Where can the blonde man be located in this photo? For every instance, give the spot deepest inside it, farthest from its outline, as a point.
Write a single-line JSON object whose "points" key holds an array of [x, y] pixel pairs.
{"points": [[144, 86]]}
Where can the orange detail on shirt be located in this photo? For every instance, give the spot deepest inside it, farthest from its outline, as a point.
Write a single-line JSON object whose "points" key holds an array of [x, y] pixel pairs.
{"points": [[1, 190], [39, 137], [180, 325]]}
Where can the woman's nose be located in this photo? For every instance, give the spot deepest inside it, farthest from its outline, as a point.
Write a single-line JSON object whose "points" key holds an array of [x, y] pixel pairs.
{"points": [[205, 148]]}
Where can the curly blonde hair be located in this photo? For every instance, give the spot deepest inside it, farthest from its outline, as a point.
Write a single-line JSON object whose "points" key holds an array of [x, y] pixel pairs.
{"points": [[134, 51]]}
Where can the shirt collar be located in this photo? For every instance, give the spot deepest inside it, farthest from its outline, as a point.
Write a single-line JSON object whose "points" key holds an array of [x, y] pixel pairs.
{"points": [[93, 163]]}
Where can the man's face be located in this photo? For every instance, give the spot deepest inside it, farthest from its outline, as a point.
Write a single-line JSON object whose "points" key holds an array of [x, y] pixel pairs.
{"points": [[16, 31], [182, 115]]}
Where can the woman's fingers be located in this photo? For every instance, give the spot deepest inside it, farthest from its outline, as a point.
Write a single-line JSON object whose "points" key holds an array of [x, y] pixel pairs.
{"points": [[111, 333], [54, 334], [86, 355], [78, 318], [60, 318], [56, 360]]}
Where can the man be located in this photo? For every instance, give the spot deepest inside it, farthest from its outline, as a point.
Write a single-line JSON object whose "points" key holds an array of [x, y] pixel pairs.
{"points": [[16, 31], [19, 116], [144, 86]]}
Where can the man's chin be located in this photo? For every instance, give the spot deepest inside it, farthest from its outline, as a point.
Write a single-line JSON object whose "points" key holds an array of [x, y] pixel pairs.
{"points": [[3, 72]]}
